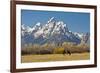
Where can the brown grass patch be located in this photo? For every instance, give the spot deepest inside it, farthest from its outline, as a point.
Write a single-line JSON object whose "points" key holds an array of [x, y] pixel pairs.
{"points": [[54, 57]]}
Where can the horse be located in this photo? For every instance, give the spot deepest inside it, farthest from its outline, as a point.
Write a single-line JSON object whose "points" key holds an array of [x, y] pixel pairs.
{"points": [[66, 52]]}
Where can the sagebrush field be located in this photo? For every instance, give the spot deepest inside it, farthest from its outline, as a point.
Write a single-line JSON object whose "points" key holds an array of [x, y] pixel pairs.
{"points": [[50, 52]]}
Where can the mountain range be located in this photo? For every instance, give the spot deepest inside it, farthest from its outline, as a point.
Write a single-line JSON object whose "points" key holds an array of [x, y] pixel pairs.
{"points": [[52, 32]]}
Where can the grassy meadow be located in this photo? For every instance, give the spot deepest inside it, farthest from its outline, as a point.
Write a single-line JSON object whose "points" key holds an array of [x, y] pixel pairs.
{"points": [[52, 52], [54, 57]]}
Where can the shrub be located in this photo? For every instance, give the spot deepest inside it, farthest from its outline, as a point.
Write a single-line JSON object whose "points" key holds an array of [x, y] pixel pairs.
{"points": [[58, 50], [54, 49]]}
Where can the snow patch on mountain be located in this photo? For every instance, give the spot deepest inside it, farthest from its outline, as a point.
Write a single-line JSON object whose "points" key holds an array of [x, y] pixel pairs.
{"points": [[52, 31]]}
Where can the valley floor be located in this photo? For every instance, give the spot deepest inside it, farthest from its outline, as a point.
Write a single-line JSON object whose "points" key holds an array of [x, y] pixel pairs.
{"points": [[54, 57]]}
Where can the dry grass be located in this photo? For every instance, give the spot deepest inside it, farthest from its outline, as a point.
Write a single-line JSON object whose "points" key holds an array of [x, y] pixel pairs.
{"points": [[54, 49], [55, 57]]}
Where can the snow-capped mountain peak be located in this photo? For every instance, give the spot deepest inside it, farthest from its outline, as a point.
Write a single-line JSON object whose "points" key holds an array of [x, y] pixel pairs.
{"points": [[52, 31], [38, 24], [51, 19], [25, 29]]}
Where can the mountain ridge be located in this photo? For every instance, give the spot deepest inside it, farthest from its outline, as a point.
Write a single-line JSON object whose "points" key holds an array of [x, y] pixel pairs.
{"points": [[52, 32]]}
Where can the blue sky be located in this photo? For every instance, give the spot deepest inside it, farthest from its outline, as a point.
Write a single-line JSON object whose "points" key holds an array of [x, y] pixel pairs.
{"points": [[76, 22]]}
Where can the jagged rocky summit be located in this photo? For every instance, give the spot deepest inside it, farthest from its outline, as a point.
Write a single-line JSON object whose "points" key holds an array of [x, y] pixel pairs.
{"points": [[52, 32]]}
